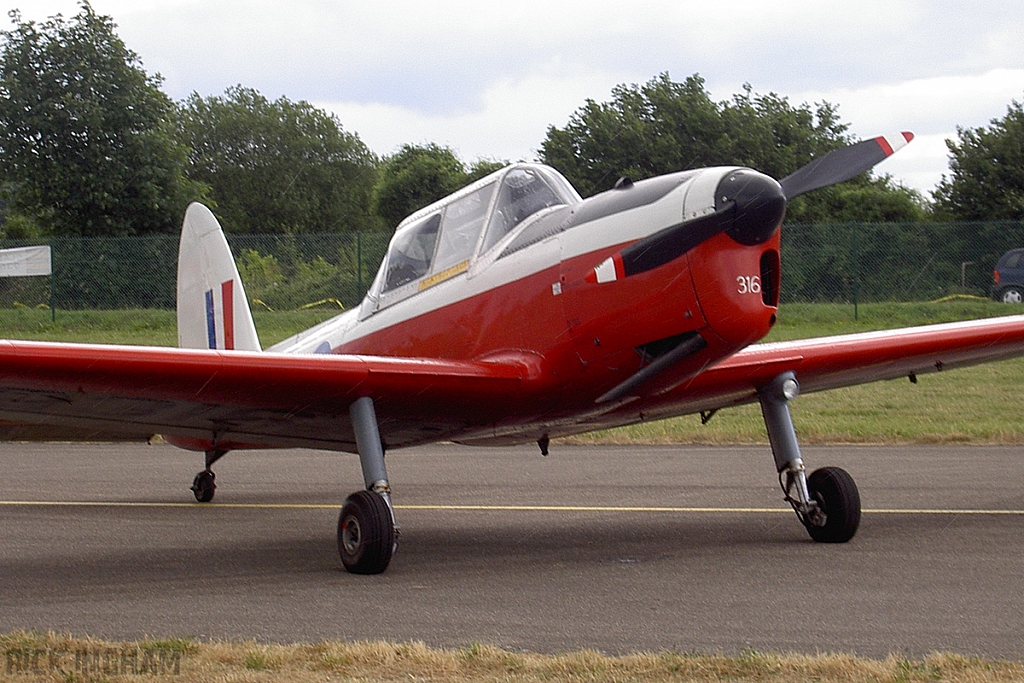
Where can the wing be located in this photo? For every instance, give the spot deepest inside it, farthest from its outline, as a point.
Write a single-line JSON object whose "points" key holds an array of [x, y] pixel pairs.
{"points": [[249, 399], [840, 361], [246, 399]]}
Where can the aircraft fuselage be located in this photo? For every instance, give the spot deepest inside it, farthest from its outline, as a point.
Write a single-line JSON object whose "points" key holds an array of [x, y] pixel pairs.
{"points": [[555, 287]]}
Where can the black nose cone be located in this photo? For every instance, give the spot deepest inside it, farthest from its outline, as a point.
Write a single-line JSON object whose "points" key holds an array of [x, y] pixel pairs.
{"points": [[758, 205]]}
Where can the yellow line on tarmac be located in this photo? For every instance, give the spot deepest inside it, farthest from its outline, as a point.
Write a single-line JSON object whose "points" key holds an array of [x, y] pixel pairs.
{"points": [[598, 508], [581, 508], [926, 511], [487, 508], [206, 506]]}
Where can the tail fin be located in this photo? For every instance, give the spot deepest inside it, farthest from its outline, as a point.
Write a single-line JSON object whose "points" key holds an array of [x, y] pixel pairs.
{"points": [[213, 312]]}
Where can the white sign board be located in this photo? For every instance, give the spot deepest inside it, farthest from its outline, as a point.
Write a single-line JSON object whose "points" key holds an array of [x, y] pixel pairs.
{"points": [[25, 262]]}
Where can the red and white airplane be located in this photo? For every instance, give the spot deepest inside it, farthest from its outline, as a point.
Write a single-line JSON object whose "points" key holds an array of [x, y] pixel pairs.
{"points": [[511, 311]]}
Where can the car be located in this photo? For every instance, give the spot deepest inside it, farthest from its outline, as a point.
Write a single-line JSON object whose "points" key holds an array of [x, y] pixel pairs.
{"points": [[1008, 278]]}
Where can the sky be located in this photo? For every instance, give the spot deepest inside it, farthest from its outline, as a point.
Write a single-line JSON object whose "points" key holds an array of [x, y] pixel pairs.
{"points": [[489, 78]]}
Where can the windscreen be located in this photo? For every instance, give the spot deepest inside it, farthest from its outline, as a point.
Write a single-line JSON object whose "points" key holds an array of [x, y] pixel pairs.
{"points": [[524, 192], [411, 253]]}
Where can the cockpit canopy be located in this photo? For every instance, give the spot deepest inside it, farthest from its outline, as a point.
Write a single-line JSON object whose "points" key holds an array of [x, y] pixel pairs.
{"points": [[440, 241]]}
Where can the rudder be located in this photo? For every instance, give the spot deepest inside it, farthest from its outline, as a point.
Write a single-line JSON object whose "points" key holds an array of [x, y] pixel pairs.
{"points": [[213, 312]]}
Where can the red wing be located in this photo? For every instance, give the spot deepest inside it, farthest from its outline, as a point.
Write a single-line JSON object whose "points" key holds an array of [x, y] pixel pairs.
{"points": [[263, 399], [258, 399], [832, 362]]}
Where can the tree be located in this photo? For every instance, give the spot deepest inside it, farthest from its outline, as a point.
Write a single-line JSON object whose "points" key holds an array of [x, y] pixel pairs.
{"points": [[665, 126], [419, 175], [482, 168], [987, 172], [278, 167], [863, 199], [86, 146]]}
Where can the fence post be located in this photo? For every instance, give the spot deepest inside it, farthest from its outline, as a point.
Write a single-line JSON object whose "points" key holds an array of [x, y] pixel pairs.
{"points": [[856, 275], [359, 266], [53, 285]]}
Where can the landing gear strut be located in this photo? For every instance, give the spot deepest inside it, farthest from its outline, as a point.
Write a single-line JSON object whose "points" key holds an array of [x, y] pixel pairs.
{"points": [[367, 533], [203, 485], [827, 502]]}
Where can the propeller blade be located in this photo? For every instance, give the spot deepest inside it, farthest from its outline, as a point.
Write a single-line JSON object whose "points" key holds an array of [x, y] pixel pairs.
{"points": [[843, 164], [671, 243]]}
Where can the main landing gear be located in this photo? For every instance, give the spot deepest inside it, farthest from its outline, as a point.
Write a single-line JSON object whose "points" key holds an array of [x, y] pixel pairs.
{"points": [[827, 502], [367, 533]]}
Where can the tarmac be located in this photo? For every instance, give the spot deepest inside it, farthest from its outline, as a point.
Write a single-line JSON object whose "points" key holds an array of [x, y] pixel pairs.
{"points": [[619, 549]]}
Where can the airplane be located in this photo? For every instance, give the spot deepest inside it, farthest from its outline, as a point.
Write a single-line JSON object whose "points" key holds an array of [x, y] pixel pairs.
{"points": [[512, 311]]}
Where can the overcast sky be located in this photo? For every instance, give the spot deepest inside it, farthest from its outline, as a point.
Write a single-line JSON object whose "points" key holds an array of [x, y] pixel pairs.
{"points": [[488, 78]]}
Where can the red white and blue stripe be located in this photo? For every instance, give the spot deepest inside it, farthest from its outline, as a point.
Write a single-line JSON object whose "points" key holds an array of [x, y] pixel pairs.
{"points": [[227, 301]]}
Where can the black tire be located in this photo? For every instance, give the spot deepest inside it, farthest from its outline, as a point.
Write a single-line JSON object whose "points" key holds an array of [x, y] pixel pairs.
{"points": [[203, 486], [366, 533], [1012, 295], [837, 496]]}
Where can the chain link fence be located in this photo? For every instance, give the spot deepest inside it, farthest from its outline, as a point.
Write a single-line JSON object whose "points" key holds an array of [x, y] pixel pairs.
{"points": [[280, 272], [873, 262], [837, 263]]}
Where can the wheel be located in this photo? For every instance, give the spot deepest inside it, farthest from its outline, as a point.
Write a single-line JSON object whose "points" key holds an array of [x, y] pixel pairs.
{"points": [[366, 533], [203, 486], [1012, 295], [837, 496]]}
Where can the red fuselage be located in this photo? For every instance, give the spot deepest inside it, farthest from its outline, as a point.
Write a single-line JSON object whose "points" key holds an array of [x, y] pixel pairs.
{"points": [[590, 336]]}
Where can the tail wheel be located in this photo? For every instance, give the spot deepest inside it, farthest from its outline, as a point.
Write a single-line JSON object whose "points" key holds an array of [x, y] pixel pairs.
{"points": [[836, 495], [366, 533], [203, 486]]}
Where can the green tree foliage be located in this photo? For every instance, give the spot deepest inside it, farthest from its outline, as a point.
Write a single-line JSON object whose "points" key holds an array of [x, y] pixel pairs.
{"points": [[987, 165], [863, 199], [278, 167], [85, 142], [415, 176], [483, 168], [665, 126], [419, 175]]}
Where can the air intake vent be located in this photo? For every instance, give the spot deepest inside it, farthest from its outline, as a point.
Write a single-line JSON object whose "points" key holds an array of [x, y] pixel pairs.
{"points": [[656, 349], [770, 277]]}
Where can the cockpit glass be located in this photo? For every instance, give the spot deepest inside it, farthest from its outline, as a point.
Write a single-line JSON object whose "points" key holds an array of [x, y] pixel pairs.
{"points": [[410, 254], [524, 192], [463, 222]]}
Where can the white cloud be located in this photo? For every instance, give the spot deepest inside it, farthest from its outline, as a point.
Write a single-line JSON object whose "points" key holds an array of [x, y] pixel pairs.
{"points": [[510, 123], [928, 105], [920, 165], [488, 78]]}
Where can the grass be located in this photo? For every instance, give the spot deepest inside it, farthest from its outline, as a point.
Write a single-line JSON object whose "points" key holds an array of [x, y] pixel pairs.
{"points": [[54, 658], [800, 321], [976, 405], [145, 327]]}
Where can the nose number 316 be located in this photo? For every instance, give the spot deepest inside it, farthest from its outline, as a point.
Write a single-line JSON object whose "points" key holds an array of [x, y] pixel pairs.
{"points": [[749, 284]]}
